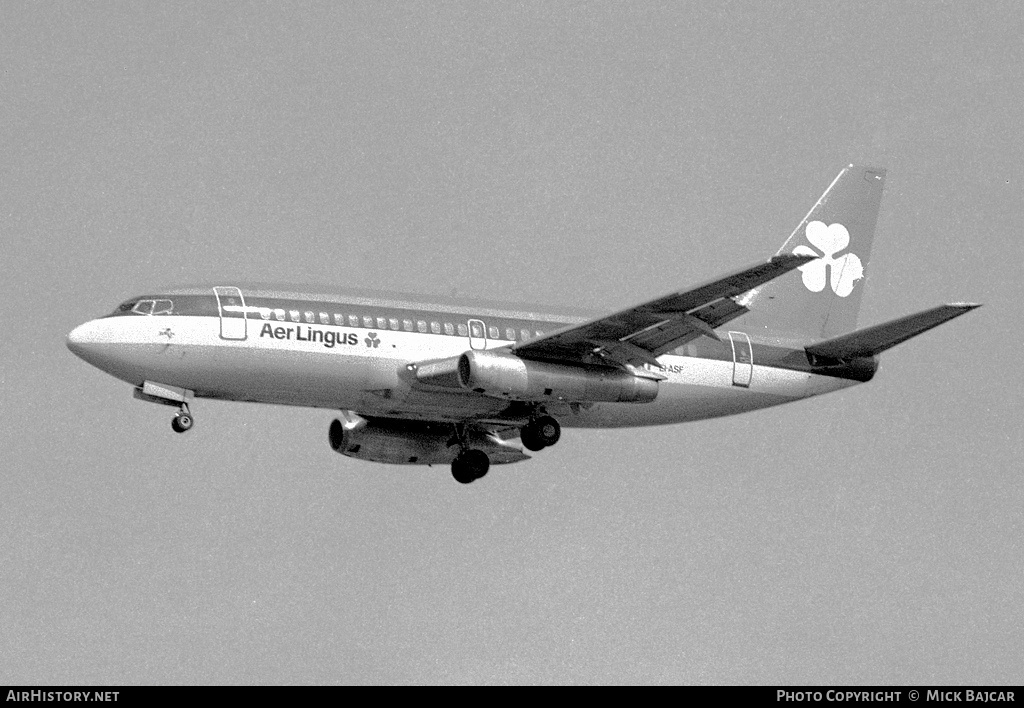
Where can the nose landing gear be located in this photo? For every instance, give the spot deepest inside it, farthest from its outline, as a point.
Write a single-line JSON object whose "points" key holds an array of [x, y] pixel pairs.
{"points": [[183, 421]]}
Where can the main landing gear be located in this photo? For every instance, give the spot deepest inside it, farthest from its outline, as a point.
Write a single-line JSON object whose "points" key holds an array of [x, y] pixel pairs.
{"points": [[469, 465], [183, 421], [540, 433]]}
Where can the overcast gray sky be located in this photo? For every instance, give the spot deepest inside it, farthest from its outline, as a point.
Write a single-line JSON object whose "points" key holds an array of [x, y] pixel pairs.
{"points": [[579, 154]]}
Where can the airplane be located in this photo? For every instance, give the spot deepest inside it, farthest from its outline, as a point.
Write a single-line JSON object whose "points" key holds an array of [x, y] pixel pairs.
{"points": [[418, 381]]}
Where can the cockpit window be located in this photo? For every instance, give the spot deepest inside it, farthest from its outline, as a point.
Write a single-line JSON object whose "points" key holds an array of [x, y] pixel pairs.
{"points": [[152, 307], [163, 307]]}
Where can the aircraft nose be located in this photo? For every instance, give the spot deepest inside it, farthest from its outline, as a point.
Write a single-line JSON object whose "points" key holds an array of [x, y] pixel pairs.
{"points": [[102, 344], [84, 339], [77, 340]]}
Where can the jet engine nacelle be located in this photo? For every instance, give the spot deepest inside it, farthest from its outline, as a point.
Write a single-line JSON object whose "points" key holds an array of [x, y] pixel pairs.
{"points": [[411, 442], [502, 374]]}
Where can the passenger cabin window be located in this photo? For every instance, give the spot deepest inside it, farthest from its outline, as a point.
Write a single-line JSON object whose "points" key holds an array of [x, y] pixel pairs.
{"points": [[367, 322], [407, 325], [325, 318], [279, 315], [510, 334], [524, 334], [293, 315], [421, 326], [463, 330], [353, 321], [435, 327], [449, 329], [339, 320], [309, 317], [393, 321], [493, 333]]}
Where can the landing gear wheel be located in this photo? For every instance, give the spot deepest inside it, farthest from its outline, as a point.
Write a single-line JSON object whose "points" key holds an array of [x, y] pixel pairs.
{"points": [[182, 423], [470, 465], [528, 436], [548, 430]]}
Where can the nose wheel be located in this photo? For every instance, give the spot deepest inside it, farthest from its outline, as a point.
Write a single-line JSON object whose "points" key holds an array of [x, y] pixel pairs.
{"points": [[183, 421]]}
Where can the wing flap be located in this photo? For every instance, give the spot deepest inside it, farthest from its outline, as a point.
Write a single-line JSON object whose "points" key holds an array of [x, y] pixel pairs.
{"points": [[640, 334]]}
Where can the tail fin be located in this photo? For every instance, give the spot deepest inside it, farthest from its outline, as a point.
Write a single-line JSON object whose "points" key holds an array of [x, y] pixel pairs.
{"points": [[823, 300]]}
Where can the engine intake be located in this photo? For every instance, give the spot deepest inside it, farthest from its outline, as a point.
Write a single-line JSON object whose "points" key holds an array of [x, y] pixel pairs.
{"points": [[502, 374]]}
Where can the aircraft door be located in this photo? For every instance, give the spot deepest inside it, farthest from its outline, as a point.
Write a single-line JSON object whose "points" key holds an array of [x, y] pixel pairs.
{"points": [[231, 306], [477, 335], [742, 359]]}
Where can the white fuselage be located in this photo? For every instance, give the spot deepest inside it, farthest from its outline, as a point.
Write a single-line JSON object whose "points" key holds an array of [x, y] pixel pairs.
{"points": [[354, 368]]}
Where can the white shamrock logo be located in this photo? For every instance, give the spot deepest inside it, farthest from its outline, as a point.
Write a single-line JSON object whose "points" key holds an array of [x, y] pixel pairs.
{"points": [[845, 271]]}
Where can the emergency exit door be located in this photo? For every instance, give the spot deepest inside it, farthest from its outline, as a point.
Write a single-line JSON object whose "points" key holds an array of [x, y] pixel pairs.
{"points": [[742, 359], [477, 334]]}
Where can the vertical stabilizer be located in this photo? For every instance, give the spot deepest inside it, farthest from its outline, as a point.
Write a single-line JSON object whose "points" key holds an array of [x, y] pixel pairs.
{"points": [[821, 299]]}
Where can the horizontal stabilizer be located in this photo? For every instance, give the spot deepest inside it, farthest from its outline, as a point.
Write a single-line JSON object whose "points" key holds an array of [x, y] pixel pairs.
{"points": [[874, 340]]}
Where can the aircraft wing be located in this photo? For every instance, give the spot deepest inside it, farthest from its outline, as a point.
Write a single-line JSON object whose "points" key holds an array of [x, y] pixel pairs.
{"points": [[642, 333]]}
